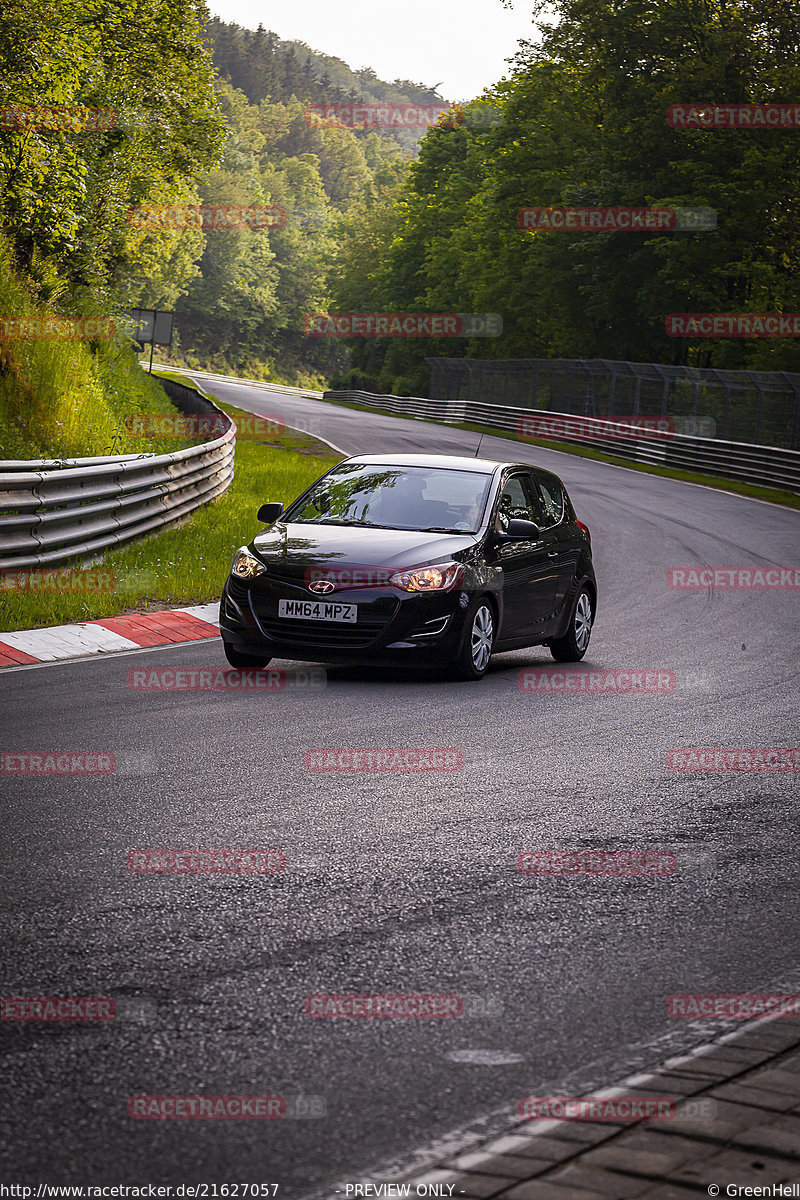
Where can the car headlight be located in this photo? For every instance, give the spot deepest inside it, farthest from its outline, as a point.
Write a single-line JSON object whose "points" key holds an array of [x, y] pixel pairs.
{"points": [[245, 566], [429, 579]]}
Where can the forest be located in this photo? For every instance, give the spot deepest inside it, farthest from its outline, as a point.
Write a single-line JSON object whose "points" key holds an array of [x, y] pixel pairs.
{"points": [[409, 220]]}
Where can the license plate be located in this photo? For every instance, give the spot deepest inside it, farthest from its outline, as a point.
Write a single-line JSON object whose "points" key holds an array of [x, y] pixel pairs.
{"points": [[318, 610]]}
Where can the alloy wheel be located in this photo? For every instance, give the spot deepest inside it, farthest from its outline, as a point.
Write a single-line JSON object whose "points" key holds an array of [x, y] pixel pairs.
{"points": [[481, 637], [583, 621]]}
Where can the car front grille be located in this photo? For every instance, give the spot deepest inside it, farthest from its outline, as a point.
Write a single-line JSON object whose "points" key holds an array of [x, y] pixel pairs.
{"points": [[238, 591], [373, 618], [264, 593], [324, 634]]}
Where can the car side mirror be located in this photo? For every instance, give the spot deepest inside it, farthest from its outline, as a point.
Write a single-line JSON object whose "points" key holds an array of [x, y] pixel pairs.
{"points": [[270, 512], [520, 528]]}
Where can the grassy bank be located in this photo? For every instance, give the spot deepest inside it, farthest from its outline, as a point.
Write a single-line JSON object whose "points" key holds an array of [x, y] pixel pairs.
{"points": [[188, 563], [68, 397], [251, 368]]}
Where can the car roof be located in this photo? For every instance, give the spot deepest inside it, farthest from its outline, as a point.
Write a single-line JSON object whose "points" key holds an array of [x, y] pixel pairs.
{"points": [[452, 462]]}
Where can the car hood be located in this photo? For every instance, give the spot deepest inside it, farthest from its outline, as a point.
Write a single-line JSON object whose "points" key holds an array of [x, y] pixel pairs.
{"points": [[300, 546]]}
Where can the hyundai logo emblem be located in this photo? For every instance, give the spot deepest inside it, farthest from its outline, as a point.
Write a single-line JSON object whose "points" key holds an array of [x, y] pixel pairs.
{"points": [[323, 586]]}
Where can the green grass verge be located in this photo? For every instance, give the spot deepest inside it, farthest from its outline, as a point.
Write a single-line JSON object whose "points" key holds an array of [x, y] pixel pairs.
{"points": [[69, 398], [188, 563], [773, 495]]}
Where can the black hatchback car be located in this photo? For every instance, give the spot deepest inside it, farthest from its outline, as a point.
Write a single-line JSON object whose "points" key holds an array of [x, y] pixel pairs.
{"points": [[414, 558]]}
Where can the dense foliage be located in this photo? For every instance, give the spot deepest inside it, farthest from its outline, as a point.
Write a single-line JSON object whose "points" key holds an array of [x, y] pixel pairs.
{"points": [[262, 66], [246, 308], [67, 183], [584, 124], [65, 193], [213, 113], [180, 134]]}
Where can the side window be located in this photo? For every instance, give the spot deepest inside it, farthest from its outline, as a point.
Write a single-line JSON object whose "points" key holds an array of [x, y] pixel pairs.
{"points": [[552, 495], [517, 501]]}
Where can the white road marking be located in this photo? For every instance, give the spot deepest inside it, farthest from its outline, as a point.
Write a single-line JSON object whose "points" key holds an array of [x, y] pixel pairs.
{"points": [[66, 641], [203, 612], [485, 1058]]}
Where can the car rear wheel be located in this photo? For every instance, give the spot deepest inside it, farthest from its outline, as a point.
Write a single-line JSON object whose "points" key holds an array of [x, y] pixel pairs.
{"points": [[575, 643], [476, 649], [256, 662]]}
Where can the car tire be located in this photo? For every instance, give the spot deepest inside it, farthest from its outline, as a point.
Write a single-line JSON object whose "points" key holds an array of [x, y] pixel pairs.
{"points": [[575, 643], [256, 662], [476, 648]]}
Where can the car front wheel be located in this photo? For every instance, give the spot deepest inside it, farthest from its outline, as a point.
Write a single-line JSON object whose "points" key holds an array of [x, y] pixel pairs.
{"points": [[255, 662], [476, 649], [575, 643]]}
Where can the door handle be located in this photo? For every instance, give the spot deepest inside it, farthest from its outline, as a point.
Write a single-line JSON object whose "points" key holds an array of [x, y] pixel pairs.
{"points": [[552, 554]]}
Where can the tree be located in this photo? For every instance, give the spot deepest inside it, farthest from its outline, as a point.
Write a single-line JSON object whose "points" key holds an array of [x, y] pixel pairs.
{"points": [[65, 193], [583, 123]]}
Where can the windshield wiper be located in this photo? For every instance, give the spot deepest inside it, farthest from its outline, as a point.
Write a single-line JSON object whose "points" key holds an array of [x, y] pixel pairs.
{"points": [[443, 529], [358, 524]]}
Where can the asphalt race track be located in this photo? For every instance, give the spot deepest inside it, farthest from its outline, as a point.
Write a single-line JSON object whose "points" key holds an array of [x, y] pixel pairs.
{"points": [[399, 883]]}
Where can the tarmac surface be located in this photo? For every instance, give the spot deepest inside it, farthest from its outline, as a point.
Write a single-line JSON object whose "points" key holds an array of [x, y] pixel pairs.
{"points": [[399, 883]]}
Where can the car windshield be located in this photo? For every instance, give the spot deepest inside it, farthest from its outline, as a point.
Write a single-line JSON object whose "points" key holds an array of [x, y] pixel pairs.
{"points": [[430, 499]]}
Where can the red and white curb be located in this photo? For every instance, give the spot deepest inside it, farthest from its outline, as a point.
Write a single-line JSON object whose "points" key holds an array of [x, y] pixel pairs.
{"points": [[110, 634]]}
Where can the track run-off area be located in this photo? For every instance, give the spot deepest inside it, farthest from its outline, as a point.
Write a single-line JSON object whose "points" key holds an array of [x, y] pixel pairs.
{"points": [[400, 882]]}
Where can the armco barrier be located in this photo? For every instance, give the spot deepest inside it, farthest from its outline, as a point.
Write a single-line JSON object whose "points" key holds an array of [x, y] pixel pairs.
{"points": [[55, 510], [757, 407], [766, 466]]}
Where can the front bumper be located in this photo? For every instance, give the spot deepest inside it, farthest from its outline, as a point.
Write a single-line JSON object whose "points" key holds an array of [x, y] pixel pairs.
{"points": [[392, 626]]}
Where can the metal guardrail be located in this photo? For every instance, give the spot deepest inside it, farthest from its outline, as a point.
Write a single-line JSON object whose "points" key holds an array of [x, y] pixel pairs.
{"points": [[758, 407], [258, 383], [52, 511], [766, 466]]}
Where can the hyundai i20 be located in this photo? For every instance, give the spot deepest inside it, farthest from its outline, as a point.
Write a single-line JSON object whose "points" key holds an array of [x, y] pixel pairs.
{"points": [[429, 560]]}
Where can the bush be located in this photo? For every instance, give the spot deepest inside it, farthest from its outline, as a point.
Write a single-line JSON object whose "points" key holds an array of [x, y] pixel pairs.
{"points": [[65, 399]]}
